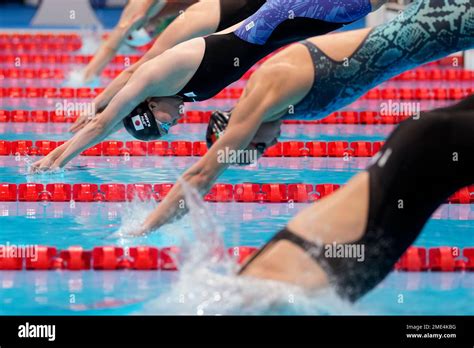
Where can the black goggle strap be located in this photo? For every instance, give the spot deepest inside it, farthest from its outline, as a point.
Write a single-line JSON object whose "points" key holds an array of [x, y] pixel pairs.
{"points": [[261, 147]]}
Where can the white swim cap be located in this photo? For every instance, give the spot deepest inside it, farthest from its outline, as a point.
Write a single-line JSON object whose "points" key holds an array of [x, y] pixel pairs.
{"points": [[138, 38]]}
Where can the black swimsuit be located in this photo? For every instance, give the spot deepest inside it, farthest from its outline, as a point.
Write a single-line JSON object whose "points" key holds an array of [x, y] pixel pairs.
{"points": [[227, 57], [277, 23], [423, 162]]}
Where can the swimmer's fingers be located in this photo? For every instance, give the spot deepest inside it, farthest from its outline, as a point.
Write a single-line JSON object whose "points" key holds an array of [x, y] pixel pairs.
{"points": [[140, 232], [120, 235], [77, 126], [80, 123], [41, 166], [90, 76], [45, 166], [34, 168]]}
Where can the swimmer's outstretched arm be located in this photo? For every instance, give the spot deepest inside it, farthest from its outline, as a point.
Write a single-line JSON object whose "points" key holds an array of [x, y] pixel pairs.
{"points": [[163, 77], [135, 15], [202, 174], [199, 19], [261, 103], [99, 128]]}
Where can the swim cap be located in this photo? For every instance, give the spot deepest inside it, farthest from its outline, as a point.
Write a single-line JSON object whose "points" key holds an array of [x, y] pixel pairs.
{"points": [[217, 125], [138, 38], [142, 124]]}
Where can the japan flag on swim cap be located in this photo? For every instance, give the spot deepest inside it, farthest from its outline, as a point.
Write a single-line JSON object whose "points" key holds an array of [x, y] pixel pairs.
{"points": [[137, 123]]}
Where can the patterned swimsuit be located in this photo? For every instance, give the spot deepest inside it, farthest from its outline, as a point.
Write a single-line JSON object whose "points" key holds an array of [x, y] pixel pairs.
{"points": [[425, 31]]}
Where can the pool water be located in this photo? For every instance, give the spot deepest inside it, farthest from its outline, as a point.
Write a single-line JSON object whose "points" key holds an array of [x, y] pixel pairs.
{"points": [[125, 292], [250, 224]]}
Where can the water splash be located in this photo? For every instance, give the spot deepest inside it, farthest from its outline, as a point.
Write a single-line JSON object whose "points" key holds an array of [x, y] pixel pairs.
{"points": [[91, 39], [136, 211], [45, 177], [208, 285], [207, 233], [75, 78]]}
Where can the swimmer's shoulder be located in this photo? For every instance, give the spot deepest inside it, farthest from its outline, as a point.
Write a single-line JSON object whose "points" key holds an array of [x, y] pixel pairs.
{"points": [[185, 56]]}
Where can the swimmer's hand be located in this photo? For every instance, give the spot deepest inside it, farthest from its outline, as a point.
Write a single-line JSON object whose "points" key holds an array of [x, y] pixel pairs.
{"points": [[83, 119], [90, 78], [45, 164], [139, 232], [48, 163]]}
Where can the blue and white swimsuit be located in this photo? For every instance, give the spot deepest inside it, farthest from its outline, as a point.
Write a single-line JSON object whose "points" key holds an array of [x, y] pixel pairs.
{"points": [[258, 28]]}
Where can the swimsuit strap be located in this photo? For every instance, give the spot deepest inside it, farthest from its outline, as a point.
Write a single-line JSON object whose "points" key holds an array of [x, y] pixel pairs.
{"points": [[310, 248]]}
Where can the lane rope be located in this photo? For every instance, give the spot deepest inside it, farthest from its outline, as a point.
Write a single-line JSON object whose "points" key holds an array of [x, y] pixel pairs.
{"points": [[113, 258], [220, 192]]}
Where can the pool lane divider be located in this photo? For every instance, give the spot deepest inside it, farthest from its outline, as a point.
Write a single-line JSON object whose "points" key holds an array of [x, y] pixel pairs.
{"points": [[38, 50], [420, 74], [181, 148], [221, 192], [387, 93], [112, 258], [366, 117]]}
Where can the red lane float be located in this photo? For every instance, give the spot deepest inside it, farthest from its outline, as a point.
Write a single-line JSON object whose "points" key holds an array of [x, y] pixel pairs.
{"points": [[144, 258], [387, 93], [169, 258], [468, 253], [179, 148], [43, 260], [75, 258], [241, 254], [422, 74], [220, 192], [106, 258], [195, 117], [114, 258], [413, 260]]}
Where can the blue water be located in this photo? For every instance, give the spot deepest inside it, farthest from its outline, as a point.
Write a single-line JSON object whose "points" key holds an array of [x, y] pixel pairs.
{"points": [[125, 292]]}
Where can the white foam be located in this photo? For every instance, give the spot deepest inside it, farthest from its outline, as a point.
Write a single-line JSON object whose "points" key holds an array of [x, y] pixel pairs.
{"points": [[75, 78], [91, 39], [134, 213]]}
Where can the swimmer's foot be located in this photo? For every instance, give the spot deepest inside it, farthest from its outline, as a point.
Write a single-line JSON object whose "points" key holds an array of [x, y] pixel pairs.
{"points": [[287, 257]]}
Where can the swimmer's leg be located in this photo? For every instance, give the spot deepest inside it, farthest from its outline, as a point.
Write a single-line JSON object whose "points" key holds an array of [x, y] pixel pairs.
{"points": [[382, 210]]}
